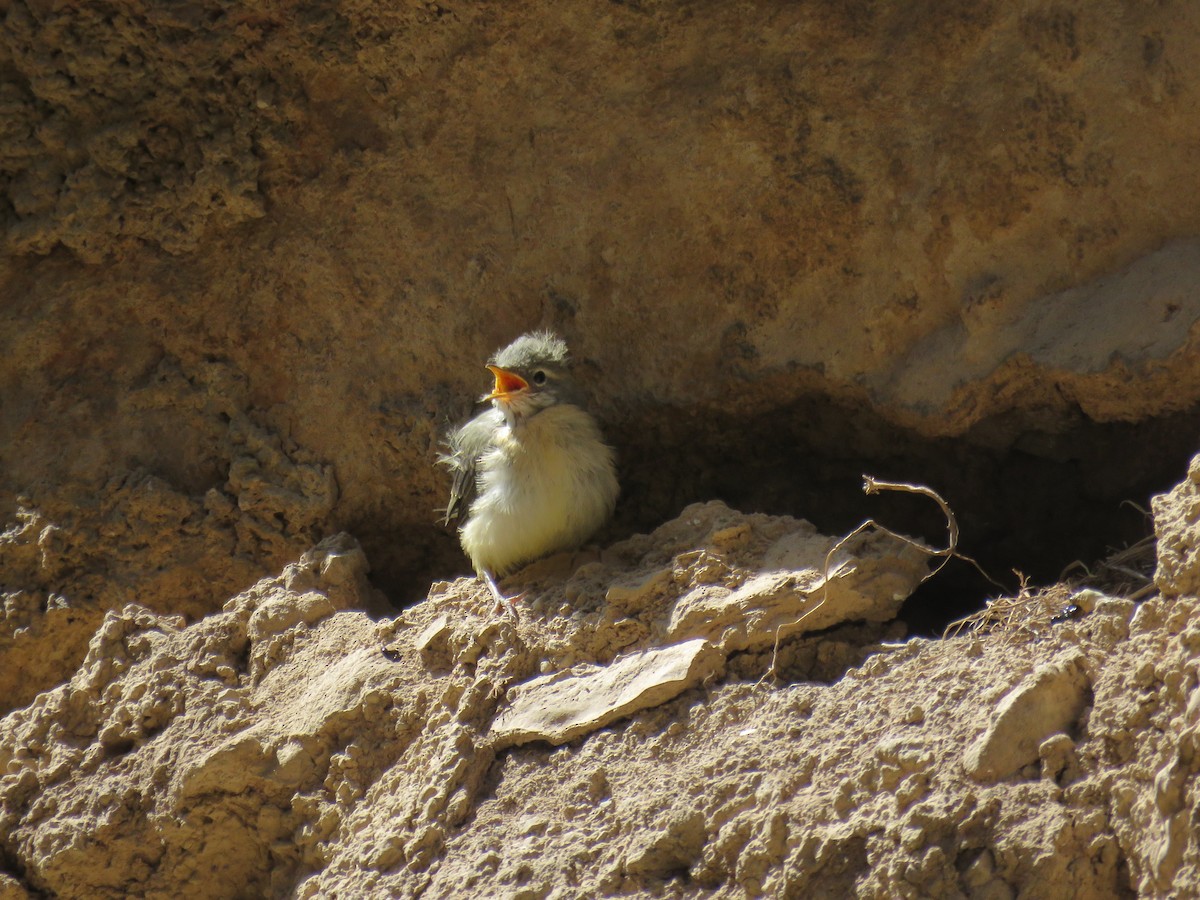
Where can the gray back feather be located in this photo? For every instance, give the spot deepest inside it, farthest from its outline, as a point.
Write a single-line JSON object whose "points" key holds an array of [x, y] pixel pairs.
{"points": [[464, 446]]}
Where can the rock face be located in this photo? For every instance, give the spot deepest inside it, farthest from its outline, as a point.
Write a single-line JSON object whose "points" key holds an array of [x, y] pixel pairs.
{"points": [[764, 236], [252, 259], [1175, 516]]}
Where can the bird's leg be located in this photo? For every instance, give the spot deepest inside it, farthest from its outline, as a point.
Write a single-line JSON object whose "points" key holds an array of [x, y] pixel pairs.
{"points": [[503, 604]]}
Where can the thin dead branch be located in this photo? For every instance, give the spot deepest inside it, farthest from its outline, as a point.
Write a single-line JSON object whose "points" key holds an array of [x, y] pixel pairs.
{"points": [[872, 485]]}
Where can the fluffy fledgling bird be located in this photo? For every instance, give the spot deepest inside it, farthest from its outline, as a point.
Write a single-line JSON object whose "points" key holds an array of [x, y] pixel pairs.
{"points": [[531, 475]]}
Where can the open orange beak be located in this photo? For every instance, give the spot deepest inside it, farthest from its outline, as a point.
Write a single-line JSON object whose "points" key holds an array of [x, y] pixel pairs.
{"points": [[506, 383]]}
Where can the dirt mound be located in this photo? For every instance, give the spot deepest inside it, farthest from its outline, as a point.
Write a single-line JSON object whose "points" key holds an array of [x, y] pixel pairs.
{"points": [[621, 736]]}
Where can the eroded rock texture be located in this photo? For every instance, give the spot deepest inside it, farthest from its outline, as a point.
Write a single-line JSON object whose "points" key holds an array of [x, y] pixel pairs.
{"points": [[848, 226], [243, 751], [252, 258], [289, 745]]}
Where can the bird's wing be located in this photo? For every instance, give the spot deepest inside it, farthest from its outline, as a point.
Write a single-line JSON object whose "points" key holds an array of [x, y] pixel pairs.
{"points": [[464, 446]]}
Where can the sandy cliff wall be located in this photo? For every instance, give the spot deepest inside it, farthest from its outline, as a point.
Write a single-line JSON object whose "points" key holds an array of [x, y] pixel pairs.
{"points": [[254, 255]]}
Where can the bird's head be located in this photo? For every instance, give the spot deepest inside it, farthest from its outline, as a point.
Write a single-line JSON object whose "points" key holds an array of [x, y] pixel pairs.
{"points": [[532, 373]]}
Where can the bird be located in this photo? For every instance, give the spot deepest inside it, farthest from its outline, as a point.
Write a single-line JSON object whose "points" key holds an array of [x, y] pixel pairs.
{"points": [[532, 474]]}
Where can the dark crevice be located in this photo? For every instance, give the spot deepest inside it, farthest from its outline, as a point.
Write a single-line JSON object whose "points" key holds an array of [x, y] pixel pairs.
{"points": [[1027, 499], [1033, 492], [12, 866]]}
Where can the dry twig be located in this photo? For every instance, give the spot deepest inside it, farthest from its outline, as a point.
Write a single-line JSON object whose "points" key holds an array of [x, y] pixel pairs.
{"points": [[873, 485]]}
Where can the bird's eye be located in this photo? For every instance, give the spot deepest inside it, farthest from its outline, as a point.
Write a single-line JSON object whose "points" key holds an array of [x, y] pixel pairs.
{"points": [[539, 377]]}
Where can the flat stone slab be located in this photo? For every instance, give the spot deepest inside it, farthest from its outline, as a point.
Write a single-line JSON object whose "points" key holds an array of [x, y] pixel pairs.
{"points": [[561, 707]]}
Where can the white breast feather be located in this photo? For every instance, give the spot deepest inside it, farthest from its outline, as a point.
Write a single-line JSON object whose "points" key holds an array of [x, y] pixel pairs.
{"points": [[536, 496]]}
